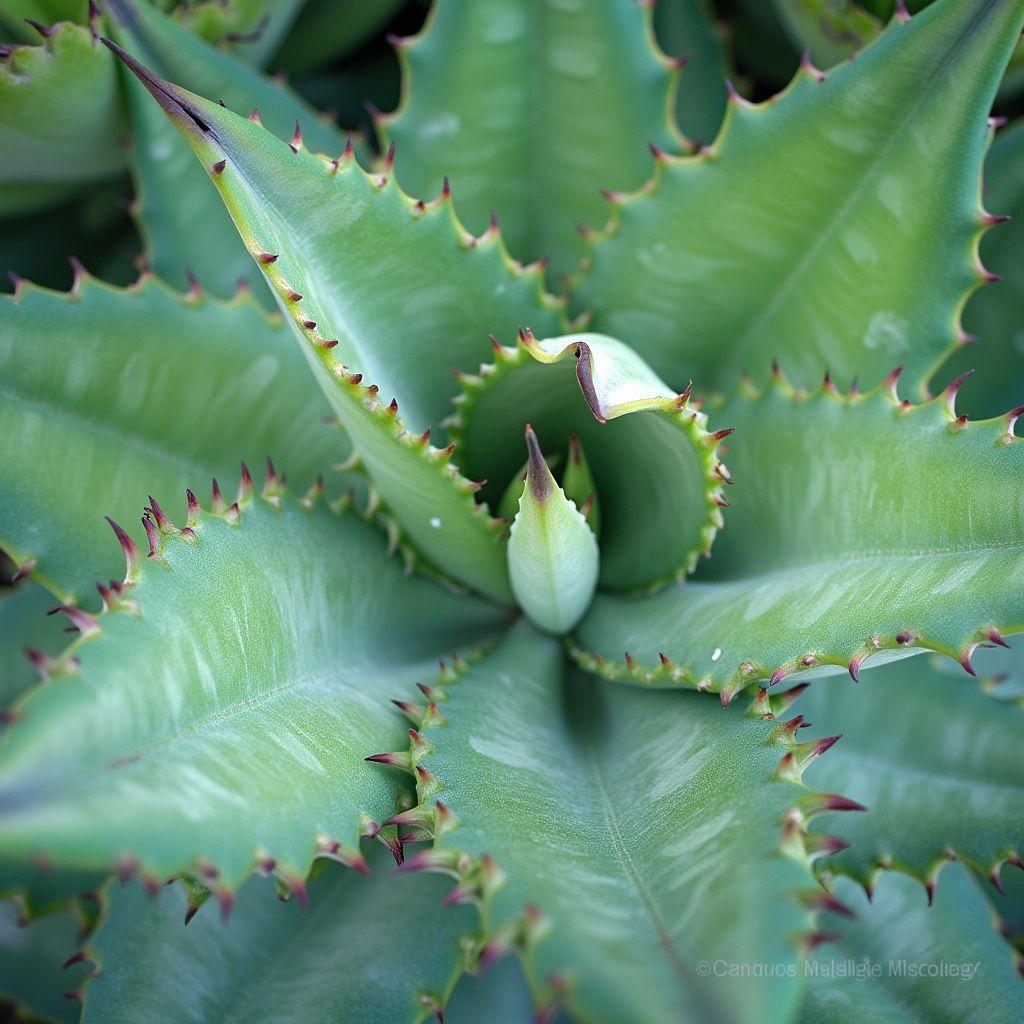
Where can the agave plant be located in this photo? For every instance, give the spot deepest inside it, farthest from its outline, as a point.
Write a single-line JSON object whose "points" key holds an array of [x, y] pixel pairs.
{"points": [[475, 646]]}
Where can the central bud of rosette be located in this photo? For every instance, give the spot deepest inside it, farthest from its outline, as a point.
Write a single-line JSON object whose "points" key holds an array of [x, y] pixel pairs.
{"points": [[622, 485], [552, 549]]}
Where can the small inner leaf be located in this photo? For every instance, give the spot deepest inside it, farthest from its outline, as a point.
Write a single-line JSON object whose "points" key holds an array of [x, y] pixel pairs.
{"points": [[552, 552]]}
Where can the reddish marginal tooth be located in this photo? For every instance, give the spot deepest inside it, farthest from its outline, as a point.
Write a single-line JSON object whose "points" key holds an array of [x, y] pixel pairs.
{"points": [[193, 508], [855, 669], [389, 159], [656, 151], [826, 901], [266, 257], [825, 744], [904, 638], [721, 502], [630, 664], [446, 189], [255, 116], [393, 407], [271, 472], [153, 535], [45, 33], [965, 661], [720, 435], [420, 205], [296, 143], [901, 11], [835, 802], [664, 660], [779, 674], [996, 637], [218, 167], [217, 504], [131, 552], [163, 523], [813, 940], [310, 325]]}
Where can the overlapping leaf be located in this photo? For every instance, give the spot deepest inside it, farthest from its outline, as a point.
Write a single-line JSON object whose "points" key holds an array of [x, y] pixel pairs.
{"points": [[214, 719], [109, 394], [861, 526], [529, 110], [901, 962], [355, 955], [32, 981], [994, 316], [611, 836], [727, 258], [60, 121], [934, 758], [659, 478], [686, 29], [182, 220], [354, 263]]}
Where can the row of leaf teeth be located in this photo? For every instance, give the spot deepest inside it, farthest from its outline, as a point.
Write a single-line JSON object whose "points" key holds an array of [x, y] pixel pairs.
{"points": [[686, 407], [749, 671], [203, 877], [477, 878]]}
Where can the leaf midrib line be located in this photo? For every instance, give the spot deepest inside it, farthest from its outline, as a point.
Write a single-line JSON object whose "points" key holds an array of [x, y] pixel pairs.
{"points": [[791, 280]]}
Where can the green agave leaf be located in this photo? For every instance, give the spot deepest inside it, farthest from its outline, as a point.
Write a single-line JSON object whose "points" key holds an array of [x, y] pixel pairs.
{"points": [[33, 980], [728, 258], [183, 222], [993, 316], [828, 30], [213, 719], [934, 759], [499, 996], [60, 120], [944, 964], [529, 110], [657, 469], [1009, 908], [861, 527], [331, 29], [16, 12], [337, 245], [374, 950], [24, 625], [687, 28], [616, 839], [552, 552], [110, 394], [254, 29]]}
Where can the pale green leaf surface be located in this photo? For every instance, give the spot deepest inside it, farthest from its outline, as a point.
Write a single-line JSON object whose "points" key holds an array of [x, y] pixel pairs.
{"points": [[828, 30], [498, 996], [357, 263], [552, 552], [656, 467], [107, 395], [530, 109], [686, 27], [813, 253], [31, 959], [60, 121], [360, 953], [24, 623], [254, 29], [935, 760], [898, 929], [46, 12], [996, 315], [860, 527], [228, 717], [182, 221], [633, 822]]}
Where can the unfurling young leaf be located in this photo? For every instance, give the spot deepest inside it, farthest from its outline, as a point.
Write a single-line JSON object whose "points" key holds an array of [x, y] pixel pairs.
{"points": [[552, 551]]}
